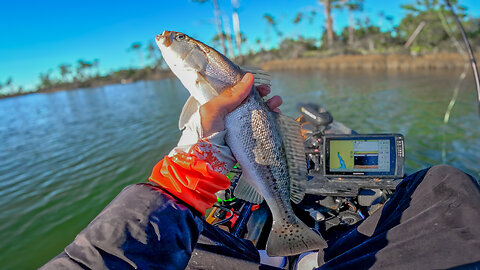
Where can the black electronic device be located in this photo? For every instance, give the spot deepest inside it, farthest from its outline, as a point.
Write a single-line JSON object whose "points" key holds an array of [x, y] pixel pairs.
{"points": [[363, 156]]}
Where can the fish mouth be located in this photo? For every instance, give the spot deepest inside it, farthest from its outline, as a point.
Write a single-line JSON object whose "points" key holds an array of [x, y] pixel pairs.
{"points": [[164, 39]]}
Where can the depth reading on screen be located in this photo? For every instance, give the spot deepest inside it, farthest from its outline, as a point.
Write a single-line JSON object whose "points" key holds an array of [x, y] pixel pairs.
{"points": [[360, 155]]}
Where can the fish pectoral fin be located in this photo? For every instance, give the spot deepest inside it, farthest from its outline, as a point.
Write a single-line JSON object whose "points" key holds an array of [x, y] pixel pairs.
{"points": [[295, 154], [287, 239], [260, 76], [246, 192], [190, 107]]}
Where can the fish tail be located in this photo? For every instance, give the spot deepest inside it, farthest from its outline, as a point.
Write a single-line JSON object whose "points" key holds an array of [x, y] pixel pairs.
{"points": [[291, 238]]}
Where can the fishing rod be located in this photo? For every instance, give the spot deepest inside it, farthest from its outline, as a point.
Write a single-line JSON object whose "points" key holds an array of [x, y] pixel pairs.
{"points": [[470, 53]]}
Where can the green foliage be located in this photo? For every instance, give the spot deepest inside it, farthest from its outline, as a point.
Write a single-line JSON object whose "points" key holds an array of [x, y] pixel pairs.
{"points": [[415, 49], [312, 16], [45, 80], [83, 70], [271, 22], [434, 34], [351, 5], [154, 55], [65, 70], [298, 18], [136, 46]]}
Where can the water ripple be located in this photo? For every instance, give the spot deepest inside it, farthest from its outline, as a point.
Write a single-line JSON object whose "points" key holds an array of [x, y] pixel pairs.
{"points": [[64, 156]]}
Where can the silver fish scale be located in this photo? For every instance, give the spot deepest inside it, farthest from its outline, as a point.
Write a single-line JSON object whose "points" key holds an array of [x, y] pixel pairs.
{"points": [[254, 138]]}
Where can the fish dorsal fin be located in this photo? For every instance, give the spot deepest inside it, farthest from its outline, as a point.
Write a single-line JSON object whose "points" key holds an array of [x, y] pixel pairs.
{"points": [[190, 107], [295, 153], [260, 76], [246, 192]]}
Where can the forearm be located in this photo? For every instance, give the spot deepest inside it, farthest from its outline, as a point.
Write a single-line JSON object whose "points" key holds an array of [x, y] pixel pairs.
{"points": [[145, 226], [195, 170]]}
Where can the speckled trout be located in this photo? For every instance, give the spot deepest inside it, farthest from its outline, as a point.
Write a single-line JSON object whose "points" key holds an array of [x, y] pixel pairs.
{"points": [[267, 145]]}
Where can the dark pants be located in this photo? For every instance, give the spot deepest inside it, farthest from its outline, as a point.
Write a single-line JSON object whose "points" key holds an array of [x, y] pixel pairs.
{"points": [[431, 222]]}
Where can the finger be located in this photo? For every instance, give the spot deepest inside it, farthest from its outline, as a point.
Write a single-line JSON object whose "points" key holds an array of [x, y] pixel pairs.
{"points": [[274, 102], [263, 89], [229, 99], [277, 110]]}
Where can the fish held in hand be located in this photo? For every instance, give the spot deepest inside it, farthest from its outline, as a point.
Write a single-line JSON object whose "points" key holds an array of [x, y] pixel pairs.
{"points": [[267, 145]]}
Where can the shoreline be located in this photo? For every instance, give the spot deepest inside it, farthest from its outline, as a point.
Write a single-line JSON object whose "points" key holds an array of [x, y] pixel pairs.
{"points": [[395, 62], [438, 61], [97, 82]]}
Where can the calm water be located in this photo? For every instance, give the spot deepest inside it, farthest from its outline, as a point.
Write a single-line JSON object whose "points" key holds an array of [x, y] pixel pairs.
{"points": [[65, 155]]}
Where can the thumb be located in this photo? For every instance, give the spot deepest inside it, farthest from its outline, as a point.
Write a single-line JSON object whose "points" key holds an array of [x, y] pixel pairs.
{"points": [[231, 98]]}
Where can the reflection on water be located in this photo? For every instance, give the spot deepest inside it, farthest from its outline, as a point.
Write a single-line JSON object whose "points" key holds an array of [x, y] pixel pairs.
{"points": [[413, 104], [65, 155]]}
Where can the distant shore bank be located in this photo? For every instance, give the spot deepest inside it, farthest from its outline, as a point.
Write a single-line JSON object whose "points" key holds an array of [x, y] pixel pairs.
{"points": [[102, 81], [405, 62], [400, 62]]}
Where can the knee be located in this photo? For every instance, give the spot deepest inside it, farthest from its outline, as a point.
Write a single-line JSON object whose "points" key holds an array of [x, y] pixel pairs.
{"points": [[450, 176], [444, 170]]}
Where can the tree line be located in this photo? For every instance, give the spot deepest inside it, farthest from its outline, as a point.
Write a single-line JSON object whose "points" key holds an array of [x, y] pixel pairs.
{"points": [[427, 27]]}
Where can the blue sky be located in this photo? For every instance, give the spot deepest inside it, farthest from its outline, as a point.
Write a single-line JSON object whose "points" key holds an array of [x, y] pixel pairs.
{"points": [[36, 36]]}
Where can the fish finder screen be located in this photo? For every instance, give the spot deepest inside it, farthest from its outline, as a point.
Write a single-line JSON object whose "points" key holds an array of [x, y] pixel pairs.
{"points": [[360, 156]]}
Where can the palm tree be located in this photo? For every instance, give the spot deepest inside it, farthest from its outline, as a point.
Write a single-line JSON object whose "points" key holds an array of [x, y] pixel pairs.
{"points": [[328, 11], [95, 64], [82, 69], [271, 22], [9, 81], [154, 55], [298, 18], [218, 22], [259, 44], [65, 69], [228, 35], [6, 86], [136, 46], [352, 6], [313, 14], [236, 26], [45, 81]]}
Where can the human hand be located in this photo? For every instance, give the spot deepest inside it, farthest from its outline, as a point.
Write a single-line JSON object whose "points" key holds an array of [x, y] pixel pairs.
{"points": [[213, 112]]}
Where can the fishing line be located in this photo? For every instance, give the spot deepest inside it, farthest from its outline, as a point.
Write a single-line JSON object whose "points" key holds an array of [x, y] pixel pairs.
{"points": [[456, 90], [470, 53], [449, 31]]}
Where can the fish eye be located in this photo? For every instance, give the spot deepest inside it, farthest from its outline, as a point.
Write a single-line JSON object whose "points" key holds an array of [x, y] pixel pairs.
{"points": [[180, 37]]}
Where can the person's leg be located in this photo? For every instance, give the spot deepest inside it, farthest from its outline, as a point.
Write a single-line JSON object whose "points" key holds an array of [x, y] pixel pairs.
{"points": [[142, 228], [218, 249], [430, 222]]}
